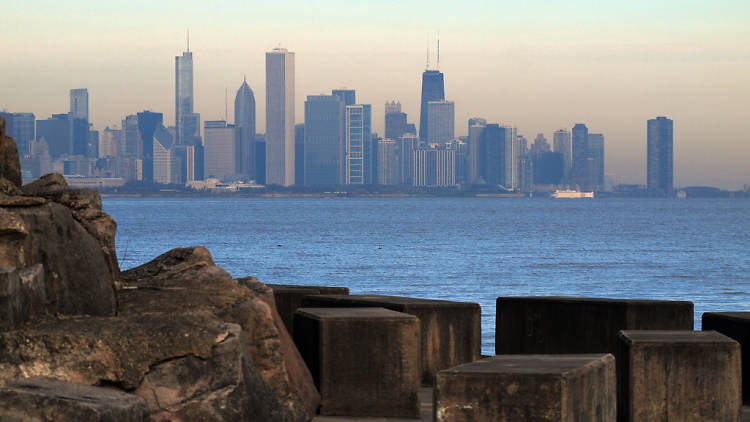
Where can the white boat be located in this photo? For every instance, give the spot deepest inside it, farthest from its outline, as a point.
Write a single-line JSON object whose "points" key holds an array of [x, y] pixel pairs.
{"points": [[571, 194]]}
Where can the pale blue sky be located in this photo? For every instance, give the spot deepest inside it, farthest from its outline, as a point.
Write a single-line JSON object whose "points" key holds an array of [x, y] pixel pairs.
{"points": [[538, 65]]}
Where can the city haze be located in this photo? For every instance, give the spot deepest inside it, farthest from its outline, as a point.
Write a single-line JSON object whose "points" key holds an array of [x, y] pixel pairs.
{"points": [[539, 67]]}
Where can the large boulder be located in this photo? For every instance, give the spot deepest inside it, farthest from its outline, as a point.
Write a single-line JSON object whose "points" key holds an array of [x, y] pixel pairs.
{"points": [[185, 366], [48, 400], [10, 165], [187, 278]]}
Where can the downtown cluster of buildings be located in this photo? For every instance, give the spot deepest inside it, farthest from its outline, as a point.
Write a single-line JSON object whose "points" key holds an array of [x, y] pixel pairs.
{"points": [[335, 145]]}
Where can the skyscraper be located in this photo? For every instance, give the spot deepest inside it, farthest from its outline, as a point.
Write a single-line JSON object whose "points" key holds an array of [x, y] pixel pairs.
{"points": [[299, 154], [348, 96], [389, 168], [561, 144], [280, 117], [57, 132], [324, 140], [358, 137], [441, 121], [79, 104], [184, 96], [477, 151], [23, 131], [596, 152], [148, 122], [511, 156], [579, 170], [222, 142], [433, 89], [501, 160], [395, 120], [244, 120], [660, 161]]}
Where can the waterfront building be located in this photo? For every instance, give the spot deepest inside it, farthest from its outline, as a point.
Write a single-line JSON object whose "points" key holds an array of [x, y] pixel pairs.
{"points": [[220, 150], [244, 121], [434, 166], [407, 144], [548, 168], [148, 121], [596, 152], [184, 119], [441, 119], [57, 132], [511, 157], [166, 162], [389, 168], [280, 117], [501, 161], [561, 144], [433, 89], [348, 96], [358, 136], [299, 154], [660, 160], [324, 140], [477, 151], [579, 170], [462, 158]]}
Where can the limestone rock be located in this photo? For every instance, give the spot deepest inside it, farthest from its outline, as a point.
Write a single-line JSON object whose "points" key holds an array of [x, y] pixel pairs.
{"points": [[10, 165], [78, 273], [188, 366], [188, 278], [47, 400]]}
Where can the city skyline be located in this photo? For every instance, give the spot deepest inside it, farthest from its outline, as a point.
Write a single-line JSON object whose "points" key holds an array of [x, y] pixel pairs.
{"points": [[687, 70]]}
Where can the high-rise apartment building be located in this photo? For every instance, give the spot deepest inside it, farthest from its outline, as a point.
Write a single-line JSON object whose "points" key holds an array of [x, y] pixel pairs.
{"points": [[561, 143], [358, 138], [166, 163], [579, 170], [148, 122], [244, 120], [441, 121], [220, 150], [540, 146], [324, 140], [433, 89], [57, 133], [435, 166], [389, 167], [280, 117], [596, 152], [21, 126], [477, 151], [501, 159], [660, 160], [407, 144]]}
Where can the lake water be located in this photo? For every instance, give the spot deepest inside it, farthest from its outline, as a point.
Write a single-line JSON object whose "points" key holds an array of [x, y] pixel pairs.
{"points": [[467, 249]]}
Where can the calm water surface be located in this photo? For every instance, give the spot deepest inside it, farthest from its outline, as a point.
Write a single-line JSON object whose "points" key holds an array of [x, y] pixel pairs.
{"points": [[461, 248]]}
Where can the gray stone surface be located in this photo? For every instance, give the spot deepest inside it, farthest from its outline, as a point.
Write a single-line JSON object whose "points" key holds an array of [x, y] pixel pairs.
{"points": [[288, 298], [48, 400], [450, 331], [685, 376], [10, 165], [508, 388], [561, 325], [735, 325], [365, 361]]}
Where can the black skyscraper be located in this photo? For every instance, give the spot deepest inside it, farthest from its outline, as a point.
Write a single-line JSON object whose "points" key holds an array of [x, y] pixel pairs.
{"points": [[433, 89], [147, 123], [660, 164], [579, 172], [395, 125], [493, 140]]}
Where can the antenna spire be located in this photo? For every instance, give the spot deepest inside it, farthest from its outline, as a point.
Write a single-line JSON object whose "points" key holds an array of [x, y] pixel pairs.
{"points": [[427, 66], [437, 66], [188, 40], [226, 105]]}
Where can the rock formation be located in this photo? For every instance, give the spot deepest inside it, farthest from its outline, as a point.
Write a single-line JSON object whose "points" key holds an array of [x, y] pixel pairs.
{"points": [[177, 335]]}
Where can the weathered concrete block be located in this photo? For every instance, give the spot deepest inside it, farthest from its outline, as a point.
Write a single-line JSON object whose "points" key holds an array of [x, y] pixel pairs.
{"points": [[509, 388], [288, 298], [48, 400], [686, 376], [450, 331], [735, 325], [528, 325], [365, 361]]}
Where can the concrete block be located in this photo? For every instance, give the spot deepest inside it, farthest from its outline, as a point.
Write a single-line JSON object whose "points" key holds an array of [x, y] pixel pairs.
{"points": [[687, 376], [288, 298], [48, 400], [509, 388], [451, 331], [365, 361], [527, 325], [735, 325]]}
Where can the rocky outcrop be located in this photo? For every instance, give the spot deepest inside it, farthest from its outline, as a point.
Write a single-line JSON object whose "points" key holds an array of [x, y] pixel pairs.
{"points": [[188, 278], [48, 400], [186, 367], [10, 165]]}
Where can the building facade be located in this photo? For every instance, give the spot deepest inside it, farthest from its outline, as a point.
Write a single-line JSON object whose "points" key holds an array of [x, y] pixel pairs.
{"points": [[325, 121], [433, 89], [441, 121], [596, 152], [477, 151], [358, 138], [389, 167], [660, 160], [220, 149], [561, 143], [280, 117], [244, 121], [579, 170]]}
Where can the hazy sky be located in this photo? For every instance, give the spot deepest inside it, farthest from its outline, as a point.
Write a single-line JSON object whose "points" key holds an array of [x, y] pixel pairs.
{"points": [[536, 64]]}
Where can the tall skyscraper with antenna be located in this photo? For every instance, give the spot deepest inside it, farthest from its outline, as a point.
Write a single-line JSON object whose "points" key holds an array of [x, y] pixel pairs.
{"points": [[183, 91], [433, 89]]}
